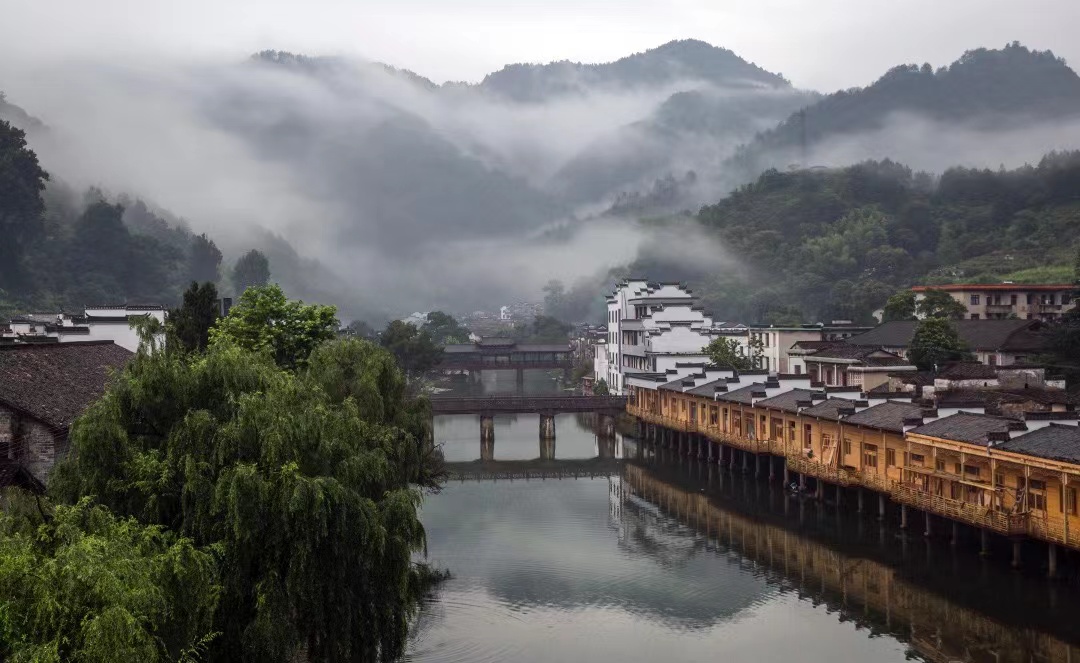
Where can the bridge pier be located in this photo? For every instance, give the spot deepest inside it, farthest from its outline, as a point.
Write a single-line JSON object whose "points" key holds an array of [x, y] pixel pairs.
{"points": [[547, 448], [605, 447], [547, 427], [487, 437], [519, 381], [607, 426]]}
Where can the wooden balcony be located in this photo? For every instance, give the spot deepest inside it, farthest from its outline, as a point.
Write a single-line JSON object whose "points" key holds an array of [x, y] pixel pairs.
{"points": [[1009, 524]]}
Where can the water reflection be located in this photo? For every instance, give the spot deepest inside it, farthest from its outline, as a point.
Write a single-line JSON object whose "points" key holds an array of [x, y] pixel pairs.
{"points": [[681, 562]]}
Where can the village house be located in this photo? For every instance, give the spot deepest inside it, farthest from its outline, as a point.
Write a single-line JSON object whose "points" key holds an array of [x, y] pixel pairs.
{"points": [[1007, 475], [776, 342], [999, 301], [44, 387], [993, 342], [96, 323]]}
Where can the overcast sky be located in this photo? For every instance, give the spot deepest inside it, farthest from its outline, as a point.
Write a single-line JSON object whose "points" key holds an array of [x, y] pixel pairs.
{"points": [[821, 44]]}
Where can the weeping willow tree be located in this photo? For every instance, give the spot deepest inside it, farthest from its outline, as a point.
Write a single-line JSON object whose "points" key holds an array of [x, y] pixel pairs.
{"points": [[305, 485], [79, 584]]}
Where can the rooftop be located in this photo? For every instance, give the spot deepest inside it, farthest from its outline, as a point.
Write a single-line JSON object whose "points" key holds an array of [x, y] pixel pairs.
{"points": [[965, 427], [1055, 442], [978, 334], [886, 416], [962, 287], [54, 382], [787, 401]]}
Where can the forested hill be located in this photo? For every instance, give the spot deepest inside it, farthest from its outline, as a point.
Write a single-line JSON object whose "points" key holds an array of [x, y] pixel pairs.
{"points": [[984, 90], [826, 244], [675, 61]]}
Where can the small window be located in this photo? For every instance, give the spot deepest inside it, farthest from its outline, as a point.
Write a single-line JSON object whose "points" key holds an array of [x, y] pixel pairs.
{"points": [[939, 465], [847, 446], [974, 316], [974, 300], [1068, 501], [890, 457], [971, 470], [918, 460]]}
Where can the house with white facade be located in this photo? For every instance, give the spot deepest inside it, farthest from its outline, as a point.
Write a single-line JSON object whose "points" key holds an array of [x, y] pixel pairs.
{"points": [[96, 323], [652, 327]]}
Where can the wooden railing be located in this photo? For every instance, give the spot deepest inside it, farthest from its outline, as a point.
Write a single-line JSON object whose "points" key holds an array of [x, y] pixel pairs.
{"points": [[1009, 524], [1035, 524]]}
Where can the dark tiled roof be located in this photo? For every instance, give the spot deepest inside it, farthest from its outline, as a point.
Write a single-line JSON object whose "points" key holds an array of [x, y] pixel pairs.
{"points": [[978, 334], [495, 341], [1056, 442], [964, 427], [815, 345], [708, 389], [743, 395], [54, 382], [886, 416], [828, 409], [843, 351], [968, 370], [787, 401]]}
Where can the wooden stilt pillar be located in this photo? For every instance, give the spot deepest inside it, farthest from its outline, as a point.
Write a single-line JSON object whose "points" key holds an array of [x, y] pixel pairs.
{"points": [[984, 543], [955, 540], [929, 531], [1016, 556], [903, 516], [862, 497], [881, 506], [1052, 561]]}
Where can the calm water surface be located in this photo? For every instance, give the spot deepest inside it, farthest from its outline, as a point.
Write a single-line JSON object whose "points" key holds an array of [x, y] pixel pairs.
{"points": [[680, 562]]}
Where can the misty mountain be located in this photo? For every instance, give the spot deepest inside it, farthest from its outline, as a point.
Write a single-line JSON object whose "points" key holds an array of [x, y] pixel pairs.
{"points": [[983, 91], [674, 62]]}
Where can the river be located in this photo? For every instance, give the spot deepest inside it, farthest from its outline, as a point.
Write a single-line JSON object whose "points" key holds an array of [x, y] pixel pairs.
{"points": [[680, 561]]}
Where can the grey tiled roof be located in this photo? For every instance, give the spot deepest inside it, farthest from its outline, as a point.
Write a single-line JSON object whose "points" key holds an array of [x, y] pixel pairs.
{"points": [[978, 334], [743, 395], [1056, 442], [964, 427], [708, 389], [54, 382], [828, 409], [886, 416], [787, 401]]}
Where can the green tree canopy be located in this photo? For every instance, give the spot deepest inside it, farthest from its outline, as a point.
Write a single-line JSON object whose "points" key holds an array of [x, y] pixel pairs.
{"points": [[263, 320], [84, 585], [189, 325], [445, 329], [727, 353], [601, 388], [940, 304], [204, 260], [901, 306], [302, 484], [22, 181], [252, 270], [935, 344], [416, 352]]}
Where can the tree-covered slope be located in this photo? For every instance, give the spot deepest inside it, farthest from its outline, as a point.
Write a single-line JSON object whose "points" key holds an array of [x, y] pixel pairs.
{"points": [[826, 244], [985, 89], [672, 62]]}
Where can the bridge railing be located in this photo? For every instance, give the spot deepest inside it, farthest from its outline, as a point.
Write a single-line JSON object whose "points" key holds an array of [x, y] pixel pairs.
{"points": [[525, 404]]}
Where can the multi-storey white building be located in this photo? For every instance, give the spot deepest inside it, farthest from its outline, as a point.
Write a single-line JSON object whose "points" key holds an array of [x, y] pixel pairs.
{"points": [[97, 323], [651, 328]]}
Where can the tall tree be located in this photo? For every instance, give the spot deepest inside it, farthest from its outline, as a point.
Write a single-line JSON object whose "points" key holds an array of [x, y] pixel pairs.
{"points": [[727, 353], [901, 306], [444, 328], [264, 320], [204, 260], [190, 324], [935, 344], [22, 182], [414, 349], [308, 498], [940, 304], [251, 270]]}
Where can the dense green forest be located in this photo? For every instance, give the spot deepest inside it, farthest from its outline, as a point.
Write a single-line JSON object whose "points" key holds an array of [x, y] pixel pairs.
{"points": [[826, 244], [990, 89], [64, 250]]}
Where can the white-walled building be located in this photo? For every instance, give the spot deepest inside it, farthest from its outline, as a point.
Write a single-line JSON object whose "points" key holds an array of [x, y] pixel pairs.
{"points": [[97, 323], [651, 328]]}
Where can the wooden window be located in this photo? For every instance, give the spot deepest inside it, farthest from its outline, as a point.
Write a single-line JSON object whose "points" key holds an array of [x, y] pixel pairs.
{"points": [[939, 465], [870, 455], [956, 468], [714, 415], [1067, 499], [890, 457], [847, 446], [777, 430], [791, 431], [971, 470], [918, 460]]}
